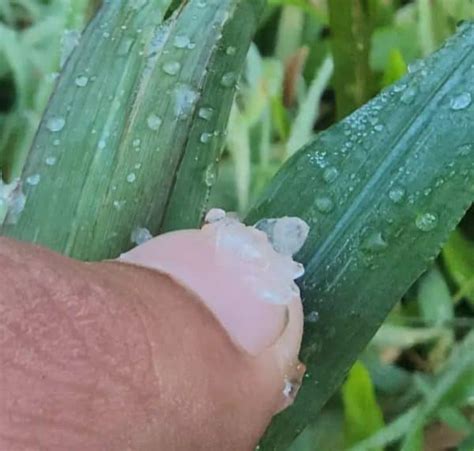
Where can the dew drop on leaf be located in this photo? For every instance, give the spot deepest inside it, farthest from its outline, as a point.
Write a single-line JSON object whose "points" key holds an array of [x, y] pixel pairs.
{"points": [[206, 113], [172, 67], [81, 81], [409, 95], [33, 180], [461, 101], [375, 242], [154, 123], [426, 222], [324, 204], [206, 137], [228, 80], [50, 161], [312, 317], [330, 174], [396, 195], [185, 98], [55, 124]]}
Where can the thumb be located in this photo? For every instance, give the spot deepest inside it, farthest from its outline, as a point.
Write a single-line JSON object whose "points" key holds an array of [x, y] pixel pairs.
{"points": [[119, 356]]}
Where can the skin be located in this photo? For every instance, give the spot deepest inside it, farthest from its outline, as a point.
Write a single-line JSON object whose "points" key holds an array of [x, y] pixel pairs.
{"points": [[115, 356]]}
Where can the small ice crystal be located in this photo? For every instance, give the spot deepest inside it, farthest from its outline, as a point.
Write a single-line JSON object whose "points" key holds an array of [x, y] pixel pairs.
{"points": [[287, 235], [214, 215], [140, 235]]}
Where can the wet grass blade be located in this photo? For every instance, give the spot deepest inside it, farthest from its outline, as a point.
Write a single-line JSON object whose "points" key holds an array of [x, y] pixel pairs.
{"points": [[134, 128], [382, 190], [351, 29]]}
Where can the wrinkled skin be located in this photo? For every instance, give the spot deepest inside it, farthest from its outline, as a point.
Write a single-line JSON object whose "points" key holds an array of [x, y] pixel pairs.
{"points": [[111, 356]]}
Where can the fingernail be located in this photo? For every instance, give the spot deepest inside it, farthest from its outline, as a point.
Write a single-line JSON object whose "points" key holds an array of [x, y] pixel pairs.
{"points": [[235, 271]]}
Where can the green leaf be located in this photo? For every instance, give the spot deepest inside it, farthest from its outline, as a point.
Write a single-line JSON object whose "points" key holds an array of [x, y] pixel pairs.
{"points": [[362, 413], [385, 40], [458, 255], [460, 363], [434, 299], [135, 127], [409, 425], [351, 29], [381, 193], [389, 434], [396, 68], [308, 111]]}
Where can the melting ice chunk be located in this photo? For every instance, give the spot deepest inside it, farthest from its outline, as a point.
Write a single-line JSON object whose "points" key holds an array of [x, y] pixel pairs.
{"points": [[286, 234], [261, 254]]}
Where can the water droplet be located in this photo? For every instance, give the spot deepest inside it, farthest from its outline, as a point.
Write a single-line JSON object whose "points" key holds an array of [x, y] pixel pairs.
{"points": [[324, 204], [231, 50], [461, 101], [56, 142], [33, 180], [131, 177], [312, 317], [415, 66], [182, 41], [55, 124], [426, 222], [136, 142], [140, 235], [172, 67], [206, 113], [206, 137], [81, 81], [118, 204], [185, 98], [330, 174], [375, 242], [409, 95], [399, 87], [228, 80], [50, 161], [396, 195], [101, 144], [211, 175], [154, 122], [379, 127]]}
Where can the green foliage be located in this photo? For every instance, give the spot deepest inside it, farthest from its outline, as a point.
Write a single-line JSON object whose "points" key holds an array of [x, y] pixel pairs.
{"points": [[30, 57], [384, 197], [363, 415], [351, 26], [140, 130], [459, 259]]}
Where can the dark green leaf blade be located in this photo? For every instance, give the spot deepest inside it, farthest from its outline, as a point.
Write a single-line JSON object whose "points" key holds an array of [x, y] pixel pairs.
{"points": [[381, 190], [140, 109]]}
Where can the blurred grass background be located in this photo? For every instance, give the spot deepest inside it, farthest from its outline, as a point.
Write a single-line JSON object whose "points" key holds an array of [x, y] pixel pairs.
{"points": [[313, 62]]}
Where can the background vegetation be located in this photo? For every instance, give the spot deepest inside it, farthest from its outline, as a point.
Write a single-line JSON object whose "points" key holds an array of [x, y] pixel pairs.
{"points": [[414, 384]]}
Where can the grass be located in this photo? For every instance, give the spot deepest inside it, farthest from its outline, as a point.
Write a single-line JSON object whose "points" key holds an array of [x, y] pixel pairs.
{"points": [[308, 67]]}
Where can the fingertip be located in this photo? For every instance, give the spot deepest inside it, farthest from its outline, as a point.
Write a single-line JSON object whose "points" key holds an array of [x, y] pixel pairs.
{"points": [[246, 284]]}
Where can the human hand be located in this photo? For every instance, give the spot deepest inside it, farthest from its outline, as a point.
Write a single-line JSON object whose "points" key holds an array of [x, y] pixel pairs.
{"points": [[119, 356]]}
